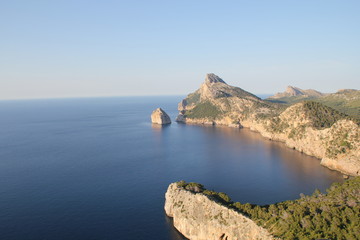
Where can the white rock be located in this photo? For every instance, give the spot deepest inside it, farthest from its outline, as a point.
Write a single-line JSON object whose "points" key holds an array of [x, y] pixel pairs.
{"points": [[199, 218], [159, 116]]}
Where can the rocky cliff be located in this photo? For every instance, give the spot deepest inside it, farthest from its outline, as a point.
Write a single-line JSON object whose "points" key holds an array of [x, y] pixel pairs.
{"points": [[200, 213], [309, 127], [199, 218]]}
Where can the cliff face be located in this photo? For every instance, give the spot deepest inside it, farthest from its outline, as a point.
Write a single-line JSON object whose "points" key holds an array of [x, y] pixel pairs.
{"points": [[199, 218], [310, 127]]}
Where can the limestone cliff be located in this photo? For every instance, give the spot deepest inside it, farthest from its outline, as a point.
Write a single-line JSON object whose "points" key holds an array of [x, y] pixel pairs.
{"points": [[309, 127], [199, 218], [159, 116]]}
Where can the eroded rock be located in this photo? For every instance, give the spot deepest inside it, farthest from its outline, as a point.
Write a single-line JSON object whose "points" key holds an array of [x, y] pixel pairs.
{"points": [[199, 218], [159, 116]]}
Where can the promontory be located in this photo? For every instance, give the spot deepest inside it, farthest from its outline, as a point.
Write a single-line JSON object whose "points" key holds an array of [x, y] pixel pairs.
{"points": [[307, 126]]}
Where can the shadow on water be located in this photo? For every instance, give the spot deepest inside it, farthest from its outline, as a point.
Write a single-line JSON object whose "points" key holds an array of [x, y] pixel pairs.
{"points": [[174, 233]]}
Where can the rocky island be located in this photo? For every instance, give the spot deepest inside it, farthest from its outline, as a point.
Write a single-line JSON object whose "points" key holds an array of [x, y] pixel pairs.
{"points": [[159, 116], [308, 126]]}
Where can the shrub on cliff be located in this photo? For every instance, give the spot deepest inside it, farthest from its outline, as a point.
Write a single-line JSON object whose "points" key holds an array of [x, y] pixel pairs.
{"points": [[335, 215], [323, 116], [204, 110], [218, 196], [191, 186]]}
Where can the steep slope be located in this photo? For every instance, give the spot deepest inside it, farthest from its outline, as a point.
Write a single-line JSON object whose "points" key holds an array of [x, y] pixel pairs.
{"points": [[199, 218], [309, 127]]}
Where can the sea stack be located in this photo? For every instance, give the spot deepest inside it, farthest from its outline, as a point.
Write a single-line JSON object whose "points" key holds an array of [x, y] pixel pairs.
{"points": [[159, 116]]}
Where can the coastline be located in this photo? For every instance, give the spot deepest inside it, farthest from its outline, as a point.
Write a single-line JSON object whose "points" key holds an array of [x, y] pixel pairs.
{"points": [[334, 165]]}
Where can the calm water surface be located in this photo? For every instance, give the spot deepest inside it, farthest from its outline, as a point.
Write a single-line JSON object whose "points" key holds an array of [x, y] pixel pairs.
{"points": [[98, 169]]}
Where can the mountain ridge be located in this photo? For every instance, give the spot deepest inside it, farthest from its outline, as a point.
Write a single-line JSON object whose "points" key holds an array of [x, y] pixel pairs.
{"points": [[295, 91], [344, 100]]}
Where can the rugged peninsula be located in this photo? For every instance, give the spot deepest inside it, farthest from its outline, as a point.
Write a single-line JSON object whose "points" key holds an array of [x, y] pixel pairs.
{"points": [[308, 126], [202, 214]]}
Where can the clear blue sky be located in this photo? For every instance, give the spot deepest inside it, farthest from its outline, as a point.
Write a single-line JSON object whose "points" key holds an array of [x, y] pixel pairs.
{"points": [[114, 48]]}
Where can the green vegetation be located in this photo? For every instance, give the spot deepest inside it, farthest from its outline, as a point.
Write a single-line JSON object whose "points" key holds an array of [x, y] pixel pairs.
{"points": [[290, 100], [199, 188], [204, 110], [335, 215], [347, 101], [277, 126], [322, 116], [298, 132], [193, 98], [192, 186], [343, 141], [241, 93]]}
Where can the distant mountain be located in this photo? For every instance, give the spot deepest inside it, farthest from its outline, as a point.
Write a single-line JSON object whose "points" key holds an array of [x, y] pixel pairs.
{"points": [[345, 100], [294, 95], [294, 91], [310, 127]]}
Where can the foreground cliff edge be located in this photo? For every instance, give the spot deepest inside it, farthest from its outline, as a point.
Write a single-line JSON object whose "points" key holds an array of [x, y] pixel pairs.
{"points": [[309, 127], [201, 214], [199, 218]]}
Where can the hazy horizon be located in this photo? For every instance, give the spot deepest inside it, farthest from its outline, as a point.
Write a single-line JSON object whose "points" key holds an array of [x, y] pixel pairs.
{"points": [[140, 48], [119, 96]]}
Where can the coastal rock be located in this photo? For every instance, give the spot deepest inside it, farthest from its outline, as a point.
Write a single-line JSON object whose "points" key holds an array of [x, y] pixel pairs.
{"points": [[199, 218], [159, 116]]}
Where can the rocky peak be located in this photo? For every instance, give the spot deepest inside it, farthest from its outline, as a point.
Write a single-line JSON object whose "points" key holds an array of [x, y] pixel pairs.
{"points": [[212, 78], [293, 91]]}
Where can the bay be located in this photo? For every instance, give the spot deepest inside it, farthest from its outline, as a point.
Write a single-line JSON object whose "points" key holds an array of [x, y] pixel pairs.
{"points": [[96, 168]]}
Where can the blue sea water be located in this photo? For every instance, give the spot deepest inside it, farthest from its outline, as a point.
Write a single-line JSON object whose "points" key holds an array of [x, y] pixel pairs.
{"points": [[97, 168]]}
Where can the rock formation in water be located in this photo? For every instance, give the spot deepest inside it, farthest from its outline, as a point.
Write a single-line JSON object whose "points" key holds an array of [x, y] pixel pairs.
{"points": [[199, 218], [159, 116], [309, 127]]}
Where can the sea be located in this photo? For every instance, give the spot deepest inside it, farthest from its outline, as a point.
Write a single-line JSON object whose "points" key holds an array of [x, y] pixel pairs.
{"points": [[96, 168]]}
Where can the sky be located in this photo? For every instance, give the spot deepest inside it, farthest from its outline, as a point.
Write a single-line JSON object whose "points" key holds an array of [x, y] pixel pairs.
{"points": [[51, 49]]}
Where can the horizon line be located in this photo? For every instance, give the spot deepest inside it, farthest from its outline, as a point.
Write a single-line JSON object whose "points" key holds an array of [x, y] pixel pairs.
{"points": [[110, 96]]}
